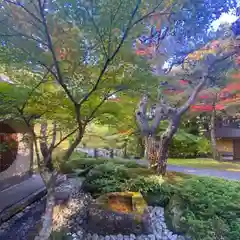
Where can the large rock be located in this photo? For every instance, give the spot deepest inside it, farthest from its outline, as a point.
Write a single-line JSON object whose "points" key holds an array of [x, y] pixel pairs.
{"points": [[173, 214], [118, 213]]}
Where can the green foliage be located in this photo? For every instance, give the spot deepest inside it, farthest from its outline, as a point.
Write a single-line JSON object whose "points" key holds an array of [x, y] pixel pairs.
{"points": [[108, 177], [211, 206], [59, 235], [204, 147], [188, 148]]}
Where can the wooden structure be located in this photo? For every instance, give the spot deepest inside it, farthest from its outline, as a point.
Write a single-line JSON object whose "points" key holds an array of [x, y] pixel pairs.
{"points": [[228, 138]]}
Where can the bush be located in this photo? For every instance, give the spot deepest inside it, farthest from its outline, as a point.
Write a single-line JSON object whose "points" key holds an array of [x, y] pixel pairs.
{"points": [[211, 208], [104, 178], [190, 149]]}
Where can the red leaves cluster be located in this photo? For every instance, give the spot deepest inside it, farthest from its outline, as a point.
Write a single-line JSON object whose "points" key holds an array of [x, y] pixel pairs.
{"points": [[225, 96]]}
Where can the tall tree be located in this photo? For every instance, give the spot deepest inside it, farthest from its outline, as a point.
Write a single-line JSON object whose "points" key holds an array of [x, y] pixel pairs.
{"points": [[84, 48], [198, 68]]}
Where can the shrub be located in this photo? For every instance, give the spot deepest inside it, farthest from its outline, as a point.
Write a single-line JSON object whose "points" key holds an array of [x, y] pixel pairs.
{"points": [[105, 178], [129, 164], [211, 208]]}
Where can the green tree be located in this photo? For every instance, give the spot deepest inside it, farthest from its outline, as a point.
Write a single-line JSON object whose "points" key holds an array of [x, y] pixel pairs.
{"points": [[85, 48]]}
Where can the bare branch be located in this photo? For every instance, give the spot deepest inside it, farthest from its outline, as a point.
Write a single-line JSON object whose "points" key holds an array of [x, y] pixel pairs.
{"points": [[25, 9], [54, 136], [141, 115], [98, 32], [108, 61], [51, 48], [193, 96]]}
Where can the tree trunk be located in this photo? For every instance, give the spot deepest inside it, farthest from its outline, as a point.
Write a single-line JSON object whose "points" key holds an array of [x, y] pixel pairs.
{"points": [[125, 149], [95, 154], [73, 145], [152, 150], [45, 149], [46, 227], [140, 147], [166, 139], [213, 134], [163, 155]]}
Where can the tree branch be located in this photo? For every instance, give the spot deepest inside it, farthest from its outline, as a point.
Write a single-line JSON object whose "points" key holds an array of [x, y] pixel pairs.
{"points": [[193, 96], [25, 9], [51, 48], [141, 115], [108, 61]]}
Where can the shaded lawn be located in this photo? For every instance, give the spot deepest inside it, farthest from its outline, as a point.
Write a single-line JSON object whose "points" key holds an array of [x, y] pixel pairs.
{"points": [[205, 163]]}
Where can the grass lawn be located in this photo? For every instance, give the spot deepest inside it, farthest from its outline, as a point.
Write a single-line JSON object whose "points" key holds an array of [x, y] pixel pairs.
{"points": [[205, 163]]}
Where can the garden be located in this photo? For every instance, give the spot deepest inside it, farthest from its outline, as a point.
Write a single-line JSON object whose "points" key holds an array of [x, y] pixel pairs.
{"points": [[103, 99], [196, 207]]}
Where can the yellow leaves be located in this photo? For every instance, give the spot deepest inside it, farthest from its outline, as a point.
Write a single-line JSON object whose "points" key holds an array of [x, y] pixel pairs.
{"points": [[200, 54], [169, 3]]}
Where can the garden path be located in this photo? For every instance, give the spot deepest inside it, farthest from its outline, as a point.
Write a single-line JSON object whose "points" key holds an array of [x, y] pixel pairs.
{"points": [[229, 175]]}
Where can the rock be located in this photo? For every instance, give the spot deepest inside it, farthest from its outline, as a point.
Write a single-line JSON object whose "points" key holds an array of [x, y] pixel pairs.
{"points": [[169, 235], [174, 237], [126, 237], [74, 235], [151, 237], [119, 237], [163, 224], [173, 214], [107, 238], [62, 197], [132, 237], [80, 232], [122, 213], [140, 237], [95, 237], [89, 236]]}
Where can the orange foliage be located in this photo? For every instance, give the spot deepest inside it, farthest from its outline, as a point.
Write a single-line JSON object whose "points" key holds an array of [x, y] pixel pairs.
{"points": [[236, 75], [119, 205]]}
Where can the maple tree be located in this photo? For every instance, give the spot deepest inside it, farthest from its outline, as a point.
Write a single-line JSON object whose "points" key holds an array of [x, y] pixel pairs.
{"points": [[85, 49], [87, 59], [202, 64]]}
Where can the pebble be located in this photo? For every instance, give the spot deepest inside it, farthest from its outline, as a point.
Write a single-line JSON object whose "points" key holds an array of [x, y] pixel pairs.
{"points": [[120, 236]]}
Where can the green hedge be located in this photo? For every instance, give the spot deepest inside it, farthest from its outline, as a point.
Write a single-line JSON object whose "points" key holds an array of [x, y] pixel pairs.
{"points": [[211, 206]]}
